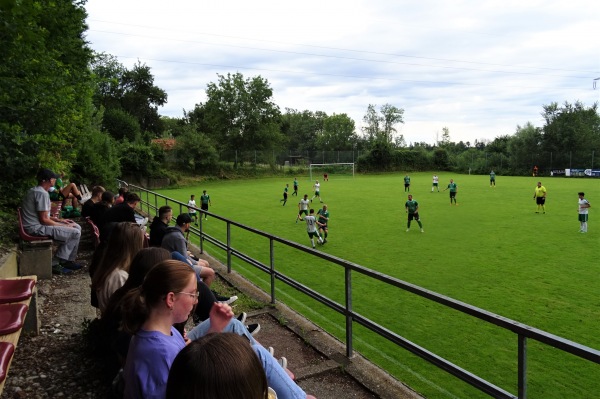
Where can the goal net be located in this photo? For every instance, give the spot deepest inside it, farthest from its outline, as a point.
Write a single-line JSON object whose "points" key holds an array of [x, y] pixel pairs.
{"points": [[332, 170]]}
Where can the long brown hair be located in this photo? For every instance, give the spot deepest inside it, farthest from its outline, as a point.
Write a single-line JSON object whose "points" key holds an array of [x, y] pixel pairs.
{"points": [[125, 241], [167, 276], [217, 366]]}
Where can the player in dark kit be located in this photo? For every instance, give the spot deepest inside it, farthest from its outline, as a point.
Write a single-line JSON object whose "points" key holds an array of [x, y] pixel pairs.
{"points": [[412, 209]]}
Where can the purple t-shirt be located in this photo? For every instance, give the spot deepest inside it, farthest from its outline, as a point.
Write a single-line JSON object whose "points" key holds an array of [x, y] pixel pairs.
{"points": [[149, 359]]}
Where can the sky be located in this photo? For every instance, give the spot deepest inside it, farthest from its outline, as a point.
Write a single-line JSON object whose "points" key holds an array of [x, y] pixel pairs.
{"points": [[479, 68]]}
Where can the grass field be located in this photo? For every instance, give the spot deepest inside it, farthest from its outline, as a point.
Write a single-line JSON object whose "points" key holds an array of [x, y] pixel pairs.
{"points": [[492, 251]]}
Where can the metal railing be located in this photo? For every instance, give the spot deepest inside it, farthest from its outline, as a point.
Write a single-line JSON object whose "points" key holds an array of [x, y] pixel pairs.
{"points": [[152, 201]]}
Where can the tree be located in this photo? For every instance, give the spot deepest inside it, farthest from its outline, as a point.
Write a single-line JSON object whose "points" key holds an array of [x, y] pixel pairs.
{"points": [[195, 152], [302, 129], [141, 98], [241, 114], [338, 133], [381, 127], [570, 128], [523, 147], [128, 91], [445, 137], [44, 89]]}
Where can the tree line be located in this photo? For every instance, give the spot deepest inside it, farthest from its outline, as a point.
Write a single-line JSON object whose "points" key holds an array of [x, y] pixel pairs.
{"points": [[66, 107]]}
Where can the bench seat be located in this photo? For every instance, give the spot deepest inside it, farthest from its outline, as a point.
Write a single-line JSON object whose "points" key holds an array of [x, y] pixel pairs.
{"points": [[6, 353], [16, 290], [12, 317]]}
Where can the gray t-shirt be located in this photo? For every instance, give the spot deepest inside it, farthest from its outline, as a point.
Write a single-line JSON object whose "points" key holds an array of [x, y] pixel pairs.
{"points": [[36, 200]]}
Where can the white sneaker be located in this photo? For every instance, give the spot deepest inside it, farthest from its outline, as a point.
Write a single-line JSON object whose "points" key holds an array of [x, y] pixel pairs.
{"points": [[242, 317], [422, 231], [231, 300], [407, 230], [283, 362]]}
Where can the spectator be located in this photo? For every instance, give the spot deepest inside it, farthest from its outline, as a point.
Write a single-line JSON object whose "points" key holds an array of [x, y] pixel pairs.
{"points": [[123, 212], [111, 320], [167, 296], [37, 221], [159, 225], [86, 209], [99, 208], [217, 366], [121, 195], [125, 241], [174, 241], [70, 191]]}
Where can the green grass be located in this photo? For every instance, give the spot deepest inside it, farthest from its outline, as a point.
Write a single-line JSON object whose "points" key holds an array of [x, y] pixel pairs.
{"points": [[491, 251]]}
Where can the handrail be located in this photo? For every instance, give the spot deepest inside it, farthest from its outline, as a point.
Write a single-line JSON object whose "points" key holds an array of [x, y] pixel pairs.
{"points": [[523, 331]]}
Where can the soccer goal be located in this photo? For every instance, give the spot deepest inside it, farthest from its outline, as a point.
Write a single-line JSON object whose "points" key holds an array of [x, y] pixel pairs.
{"points": [[332, 170]]}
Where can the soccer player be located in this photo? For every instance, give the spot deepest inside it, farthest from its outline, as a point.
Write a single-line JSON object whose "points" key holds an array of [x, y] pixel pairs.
{"points": [[583, 213], [303, 207], [192, 212], [295, 187], [317, 188], [539, 195], [407, 183], [285, 191], [311, 228], [435, 183], [323, 215], [412, 209], [453, 189], [205, 202], [492, 179], [325, 177]]}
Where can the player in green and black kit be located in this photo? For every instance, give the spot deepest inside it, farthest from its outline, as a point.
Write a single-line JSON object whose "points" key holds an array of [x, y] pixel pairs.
{"points": [[492, 179], [323, 215], [412, 208], [453, 189], [295, 187], [407, 183], [285, 190], [204, 202]]}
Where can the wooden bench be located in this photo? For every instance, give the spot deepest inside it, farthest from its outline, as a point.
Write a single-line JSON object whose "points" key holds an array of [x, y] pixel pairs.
{"points": [[17, 311], [36, 253]]}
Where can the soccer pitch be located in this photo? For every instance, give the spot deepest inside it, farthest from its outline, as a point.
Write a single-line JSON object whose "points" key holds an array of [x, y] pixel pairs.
{"points": [[491, 251]]}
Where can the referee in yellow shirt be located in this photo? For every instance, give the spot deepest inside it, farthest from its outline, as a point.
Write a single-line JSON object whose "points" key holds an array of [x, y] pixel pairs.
{"points": [[539, 196]]}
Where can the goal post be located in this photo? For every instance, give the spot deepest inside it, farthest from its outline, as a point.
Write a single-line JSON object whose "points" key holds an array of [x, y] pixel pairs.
{"points": [[317, 170]]}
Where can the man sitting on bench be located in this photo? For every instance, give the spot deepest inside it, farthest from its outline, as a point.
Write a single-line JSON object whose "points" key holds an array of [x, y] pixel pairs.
{"points": [[37, 221]]}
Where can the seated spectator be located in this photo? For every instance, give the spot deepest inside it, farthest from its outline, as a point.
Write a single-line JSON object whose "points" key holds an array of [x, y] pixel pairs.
{"points": [[125, 241], [86, 208], [120, 198], [167, 296], [217, 366], [99, 208], [70, 191], [174, 241], [37, 222], [145, 260], [112, 317], [123, 212], [159, 225]]}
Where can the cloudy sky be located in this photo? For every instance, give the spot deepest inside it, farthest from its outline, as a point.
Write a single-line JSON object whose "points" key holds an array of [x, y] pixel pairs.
{"points": [[479, 68]]}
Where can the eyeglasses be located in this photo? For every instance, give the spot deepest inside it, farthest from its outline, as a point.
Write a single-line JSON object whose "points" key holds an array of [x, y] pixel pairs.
{"points": [[194, 295]]}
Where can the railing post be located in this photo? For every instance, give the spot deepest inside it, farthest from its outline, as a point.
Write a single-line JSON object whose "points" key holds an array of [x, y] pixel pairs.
{"points": [[228, 247], [272, 259], [522, 367], [348, 286], [201, 234]]}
